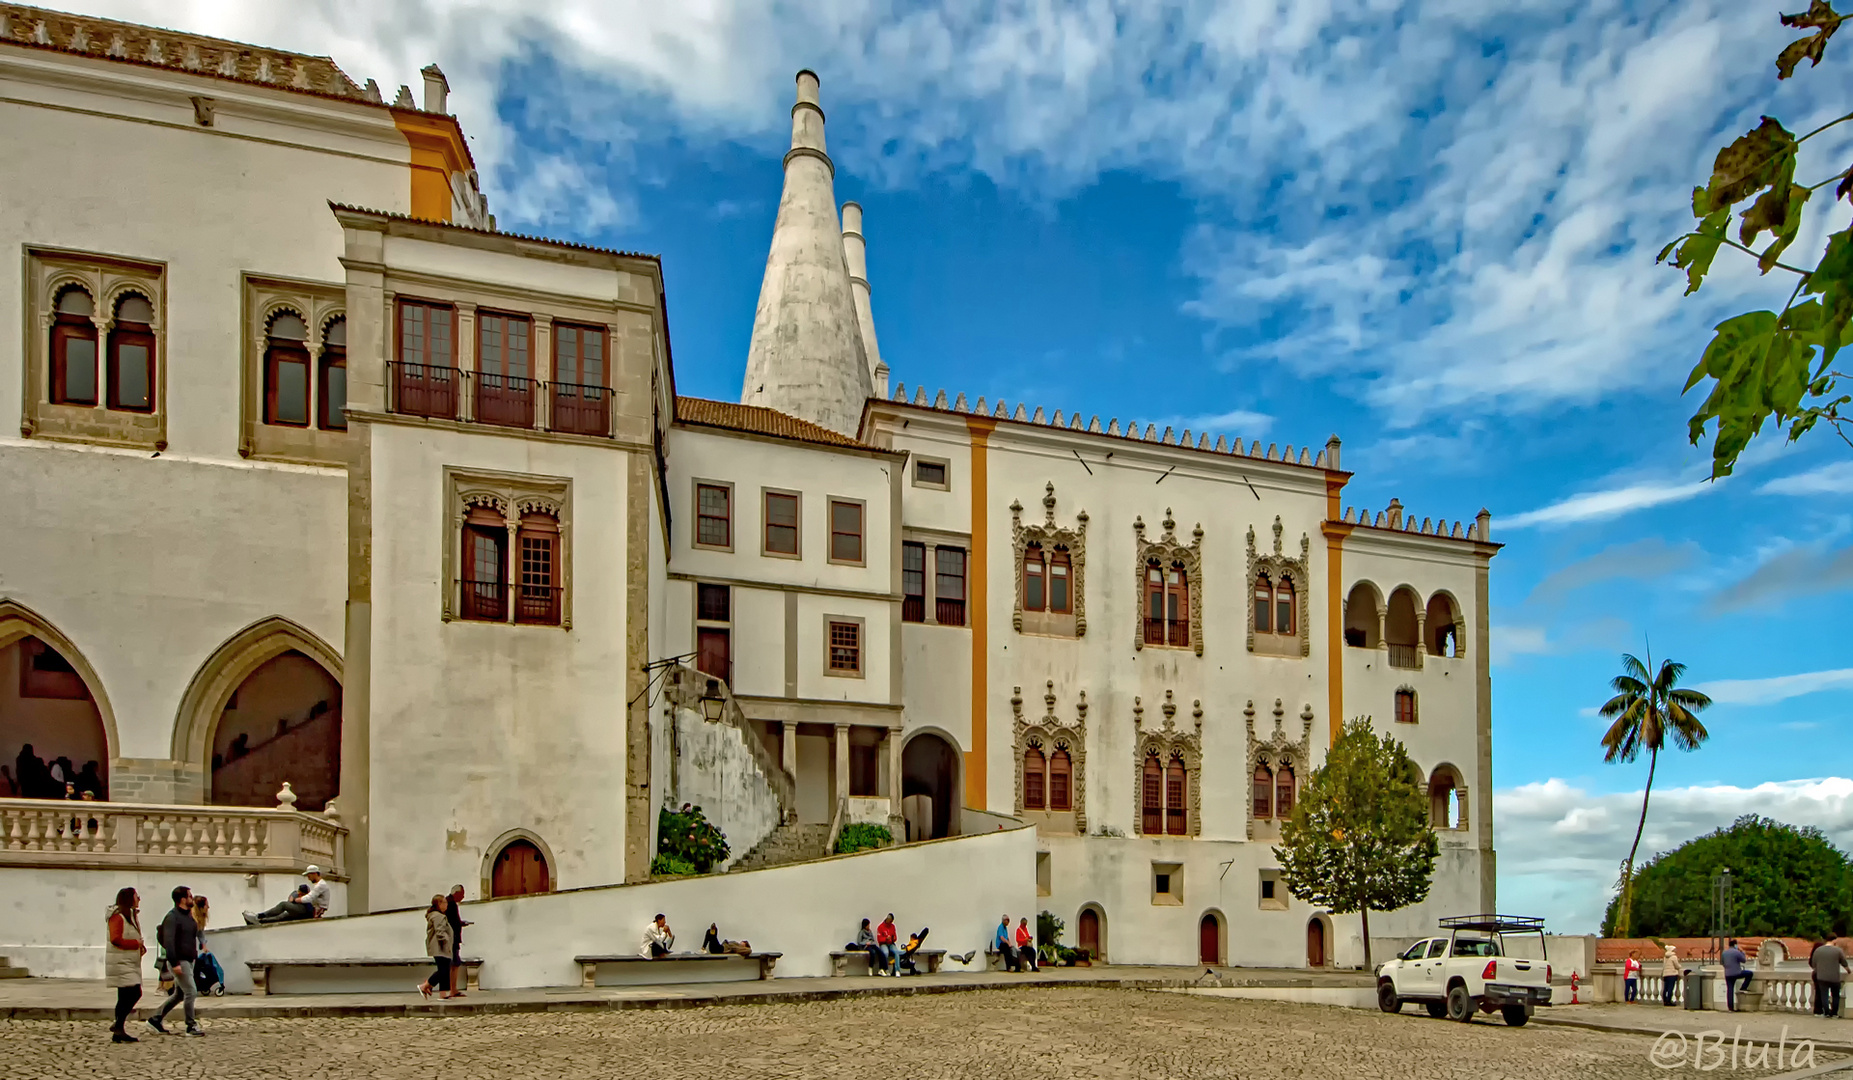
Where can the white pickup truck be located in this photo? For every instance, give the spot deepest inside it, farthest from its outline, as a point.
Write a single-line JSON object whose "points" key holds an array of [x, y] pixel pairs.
{"points": [[1466, 970]]}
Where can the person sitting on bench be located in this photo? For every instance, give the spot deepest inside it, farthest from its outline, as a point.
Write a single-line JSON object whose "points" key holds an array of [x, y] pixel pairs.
{"points": [[658, 939], [308, 902]]}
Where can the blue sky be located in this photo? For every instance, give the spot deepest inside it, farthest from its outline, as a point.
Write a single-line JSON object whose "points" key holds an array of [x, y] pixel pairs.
{"points": [[1426, 226]]}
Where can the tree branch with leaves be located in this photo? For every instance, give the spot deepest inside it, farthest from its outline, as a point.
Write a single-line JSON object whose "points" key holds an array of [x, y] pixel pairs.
{"points": [[1766, 365]]}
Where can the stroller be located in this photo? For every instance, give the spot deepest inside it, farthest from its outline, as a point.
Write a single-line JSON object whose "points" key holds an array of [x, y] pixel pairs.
{"points": [[208, 976], [906, 962]]}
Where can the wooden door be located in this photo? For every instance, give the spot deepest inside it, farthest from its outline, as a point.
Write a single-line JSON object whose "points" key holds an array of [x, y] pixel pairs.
{"points": [[1088, 930], [1209, 941], [520, 870], [1315, 943]]}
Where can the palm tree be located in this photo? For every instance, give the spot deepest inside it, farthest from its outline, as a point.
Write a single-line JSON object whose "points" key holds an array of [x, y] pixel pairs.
{"points": [[1646, 708]]}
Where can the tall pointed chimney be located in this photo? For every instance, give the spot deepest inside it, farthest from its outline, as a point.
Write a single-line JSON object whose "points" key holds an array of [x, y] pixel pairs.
{"points": [[855, 252], [807, 356]]}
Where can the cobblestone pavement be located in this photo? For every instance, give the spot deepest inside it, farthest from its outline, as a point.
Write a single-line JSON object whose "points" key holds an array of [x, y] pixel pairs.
{"points": [[1012, 1034]]}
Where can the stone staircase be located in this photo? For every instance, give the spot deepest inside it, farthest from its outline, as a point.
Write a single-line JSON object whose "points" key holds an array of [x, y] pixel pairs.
{"points": [[787, 844], [8, 971]]}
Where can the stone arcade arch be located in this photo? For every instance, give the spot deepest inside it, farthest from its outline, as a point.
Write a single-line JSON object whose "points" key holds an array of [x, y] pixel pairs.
{"points": [[51, 699], [932, 785], [1363, 616], [265, 707]]}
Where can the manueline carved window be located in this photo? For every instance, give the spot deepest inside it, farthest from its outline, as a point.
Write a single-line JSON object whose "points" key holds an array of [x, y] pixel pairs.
{"points": [[1170, 588], [1277, 625], [1051, 559]]}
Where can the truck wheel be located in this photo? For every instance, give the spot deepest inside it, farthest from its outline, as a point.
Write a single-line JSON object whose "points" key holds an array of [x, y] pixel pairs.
{"points": [[1460, 1005], [1387, 999], [1436, 1009], [1515, 1015]]}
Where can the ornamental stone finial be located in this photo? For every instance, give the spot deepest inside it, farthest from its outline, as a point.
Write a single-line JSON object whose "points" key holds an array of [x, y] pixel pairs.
{"points": [[286, 799]]}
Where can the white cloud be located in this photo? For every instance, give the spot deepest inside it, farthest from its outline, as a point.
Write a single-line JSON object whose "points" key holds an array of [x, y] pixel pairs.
{"points": [[1833, 479], [1776, 688], [1642, 559], [1242, 423], [1561, 847], [1510, 642], [1614, 502]]}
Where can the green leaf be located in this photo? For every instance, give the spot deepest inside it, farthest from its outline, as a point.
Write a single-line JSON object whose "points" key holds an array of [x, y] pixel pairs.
{"points": [[1819, 17], [1832, 280], [1697, 249]]}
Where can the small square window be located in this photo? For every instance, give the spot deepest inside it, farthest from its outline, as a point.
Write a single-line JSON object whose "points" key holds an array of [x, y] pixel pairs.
{"points": [[1045, 869], [1273, 891], [1162, 883], [1267, 888], [930, 472], [1167, 883], [845, 645], [713, 603]]}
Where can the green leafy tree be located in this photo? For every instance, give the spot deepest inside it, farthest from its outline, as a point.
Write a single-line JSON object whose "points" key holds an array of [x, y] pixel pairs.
{"points": [[1785, 880], [1772, 364], [1359, 838], [1646, 708]]}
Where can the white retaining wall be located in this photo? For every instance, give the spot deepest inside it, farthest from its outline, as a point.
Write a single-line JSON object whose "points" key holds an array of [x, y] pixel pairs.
{"points": [[957, 886]]}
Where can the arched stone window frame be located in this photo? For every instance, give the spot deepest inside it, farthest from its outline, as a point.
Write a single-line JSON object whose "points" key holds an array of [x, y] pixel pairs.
{"points": [[1277, 567], [107, 279], [1457, 787], [1051, 536], [1051, 733], [317, 304], [1276, 747], [1168, 549], [486, 888], [1460, 623], [511, 495], [17, 621], [1166, 741]]}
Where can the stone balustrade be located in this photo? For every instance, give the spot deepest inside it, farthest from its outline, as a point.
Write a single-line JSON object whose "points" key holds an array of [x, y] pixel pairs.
{"points": [[106, 835], [1784, 993]]}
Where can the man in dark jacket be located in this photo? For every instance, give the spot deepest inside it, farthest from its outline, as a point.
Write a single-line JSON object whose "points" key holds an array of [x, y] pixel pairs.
{"points": [[453, 913], [179, 938]]}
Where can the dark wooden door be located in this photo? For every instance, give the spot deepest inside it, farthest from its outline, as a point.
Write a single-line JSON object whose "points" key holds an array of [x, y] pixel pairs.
{"points": [[1088, 930], [520, 870], [1209, 941], [1315, 943]]}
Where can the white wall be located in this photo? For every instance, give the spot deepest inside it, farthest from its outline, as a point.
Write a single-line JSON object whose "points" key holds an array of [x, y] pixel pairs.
{"points": [[957, 887], [54, 920], [716, 771]]}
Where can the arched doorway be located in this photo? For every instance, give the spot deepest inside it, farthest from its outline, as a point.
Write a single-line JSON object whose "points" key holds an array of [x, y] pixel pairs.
{"points": [[930, 787], [1209, 940], [282, 722], [1091, 932], [52, 732], [1315, 942], [520, 870]]}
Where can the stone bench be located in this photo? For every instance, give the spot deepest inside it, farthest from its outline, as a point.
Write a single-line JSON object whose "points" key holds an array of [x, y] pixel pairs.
{"points": [[369, 976], [841, 960], [633, 970]]}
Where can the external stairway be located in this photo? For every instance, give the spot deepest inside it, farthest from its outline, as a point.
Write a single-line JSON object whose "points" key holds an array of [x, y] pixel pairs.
{"points": [[789, 843]]}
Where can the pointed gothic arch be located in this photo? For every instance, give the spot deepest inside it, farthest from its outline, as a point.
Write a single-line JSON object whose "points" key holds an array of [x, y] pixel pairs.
{"points": [[234, 661], [18, 622]]}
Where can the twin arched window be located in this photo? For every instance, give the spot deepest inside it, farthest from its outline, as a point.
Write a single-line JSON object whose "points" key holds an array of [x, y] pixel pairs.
{"points": [[1273, 792], [1276, 606], [1048, 580], [1047, 780], [289, 371], [1167, 604], [486, 587], [1164, 806], [129, 375]]}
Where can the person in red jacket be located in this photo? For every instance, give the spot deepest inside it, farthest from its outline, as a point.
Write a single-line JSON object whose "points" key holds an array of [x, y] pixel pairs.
{"points": [[1026, 946], [885, 937]]}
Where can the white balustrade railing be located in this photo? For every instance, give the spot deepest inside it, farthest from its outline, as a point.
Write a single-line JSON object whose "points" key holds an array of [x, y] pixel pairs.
{"points": [[1783, 993], [80, 835]]}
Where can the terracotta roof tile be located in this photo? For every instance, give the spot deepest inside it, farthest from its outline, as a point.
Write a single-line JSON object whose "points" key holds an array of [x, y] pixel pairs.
{"points": [[759, 420], [1615, 950]]}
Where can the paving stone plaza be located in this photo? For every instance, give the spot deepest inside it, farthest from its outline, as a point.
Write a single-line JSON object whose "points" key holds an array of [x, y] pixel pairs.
{"points": [[1027, 1034]]}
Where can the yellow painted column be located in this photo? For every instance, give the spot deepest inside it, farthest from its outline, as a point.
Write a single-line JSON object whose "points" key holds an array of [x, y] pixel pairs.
{"points": [[977, 771], [1335, 532]]}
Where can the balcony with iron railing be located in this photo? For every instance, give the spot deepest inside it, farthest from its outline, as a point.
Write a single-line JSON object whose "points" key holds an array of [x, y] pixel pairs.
{"points": [[509, 401], [1403, 656], [537, 605], [1173, 632]]}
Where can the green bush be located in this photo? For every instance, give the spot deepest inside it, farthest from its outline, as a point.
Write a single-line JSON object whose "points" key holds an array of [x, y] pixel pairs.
{"points": [[670, 866], [687, 836], [1048, 930], [861, 836]]}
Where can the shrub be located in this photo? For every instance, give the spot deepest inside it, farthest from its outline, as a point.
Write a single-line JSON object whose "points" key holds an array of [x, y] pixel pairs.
{"points": [[861, 836], [670, 866], [1048, 930], [687, 836]]}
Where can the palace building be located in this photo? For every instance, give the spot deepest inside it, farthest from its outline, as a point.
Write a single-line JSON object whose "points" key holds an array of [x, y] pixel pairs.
{"points": [[348, 529]]}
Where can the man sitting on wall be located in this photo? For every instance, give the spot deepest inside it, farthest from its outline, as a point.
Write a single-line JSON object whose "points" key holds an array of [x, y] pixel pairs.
{"points": [[309, 902]]}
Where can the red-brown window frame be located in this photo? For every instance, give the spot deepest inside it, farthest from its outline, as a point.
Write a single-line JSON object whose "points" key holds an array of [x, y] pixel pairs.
{"points": [[1284, 792], [1152, 797], [277, 352], [853, 646], [949, 610], [1263, 613], [1286, 607], [1035, 779], [1035, 579], [1061, 781], [1405, 707], [1262, 793], [857, 534], [503, 396], [538, 603], [585, 409], [438, 392], [794, 525], [1177, 795], [913, 582], [68, 327], [483, 601], [703, 517], [334, 358], [1061, 568], [131, 333]]}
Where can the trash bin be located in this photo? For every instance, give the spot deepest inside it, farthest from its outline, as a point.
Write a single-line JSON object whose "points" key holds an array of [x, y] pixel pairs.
{"points": [[1698, 987]]}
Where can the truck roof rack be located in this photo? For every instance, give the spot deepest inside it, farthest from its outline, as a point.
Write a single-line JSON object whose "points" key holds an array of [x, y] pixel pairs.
{"points": [[1495, 924]]}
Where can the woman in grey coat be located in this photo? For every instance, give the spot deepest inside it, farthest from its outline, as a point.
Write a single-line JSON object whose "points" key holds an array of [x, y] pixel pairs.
{"points": [[438, 943]]}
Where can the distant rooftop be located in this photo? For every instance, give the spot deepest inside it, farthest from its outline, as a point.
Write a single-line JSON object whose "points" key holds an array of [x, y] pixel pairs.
{"points": [[759, 420]]}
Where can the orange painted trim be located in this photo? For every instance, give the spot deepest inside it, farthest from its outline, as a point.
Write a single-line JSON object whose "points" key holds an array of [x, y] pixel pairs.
{"points": [[438, 152], [1335, 532], [977, 759]]}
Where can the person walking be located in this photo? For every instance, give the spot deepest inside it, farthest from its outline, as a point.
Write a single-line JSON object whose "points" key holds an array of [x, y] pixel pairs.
{"points": [[1669, 976], [1736, 975], [1631, 976], [1830, 964], [122, 959], [886, 937], [453, 913], [179, 938], [438, 946], [1026, 946], [208, 975]]}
